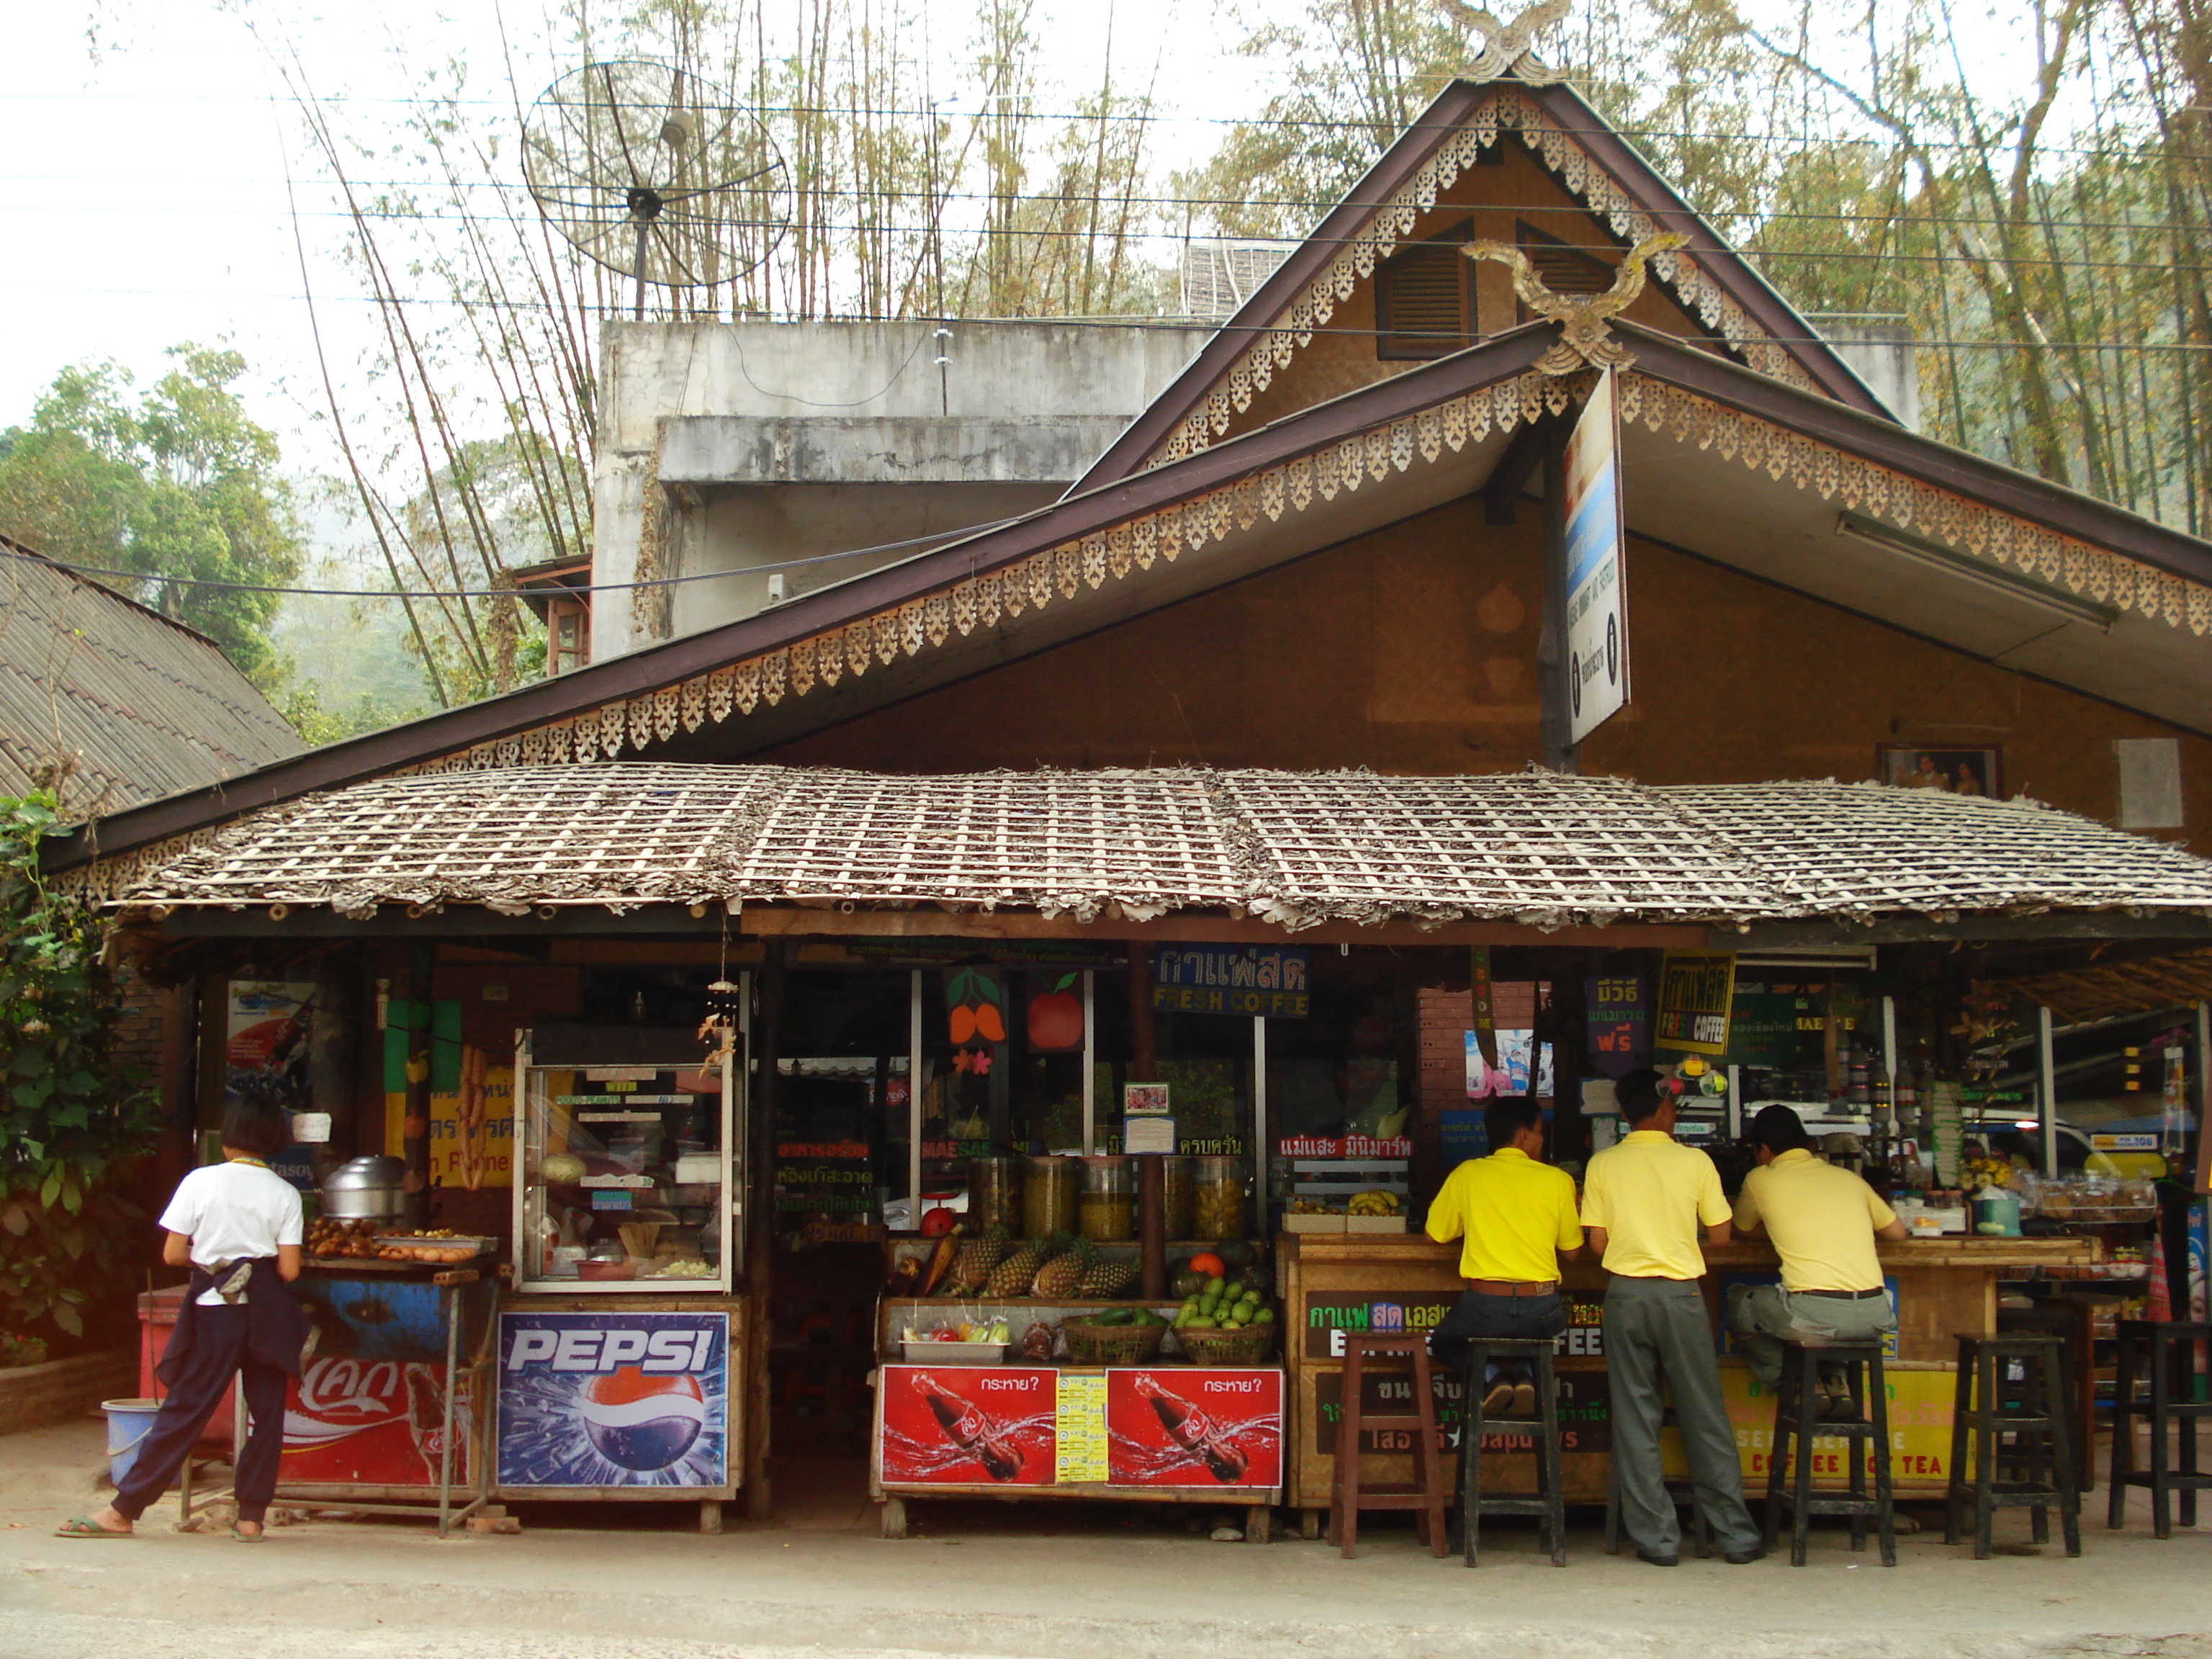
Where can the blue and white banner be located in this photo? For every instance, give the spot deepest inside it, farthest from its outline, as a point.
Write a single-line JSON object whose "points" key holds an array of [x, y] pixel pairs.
{"points": [[1597, 606], [614, 1400]]}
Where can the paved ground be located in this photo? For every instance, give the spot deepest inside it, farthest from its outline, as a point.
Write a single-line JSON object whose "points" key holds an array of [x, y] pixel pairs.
{"points": [[1033, 1582]]}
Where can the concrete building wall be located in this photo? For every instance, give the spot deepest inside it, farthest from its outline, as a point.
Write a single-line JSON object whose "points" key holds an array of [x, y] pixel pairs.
{"points": [[779, 441], [1883, 352]]}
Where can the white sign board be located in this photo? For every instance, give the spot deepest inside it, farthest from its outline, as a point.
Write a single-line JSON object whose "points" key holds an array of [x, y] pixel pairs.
{"points": [[1597, 605]]}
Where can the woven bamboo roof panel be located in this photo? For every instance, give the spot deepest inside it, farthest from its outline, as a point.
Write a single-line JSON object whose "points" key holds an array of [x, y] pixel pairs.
{"points": [[1533, 846], [1295, 849], [1860, 849], [1064, 843]]}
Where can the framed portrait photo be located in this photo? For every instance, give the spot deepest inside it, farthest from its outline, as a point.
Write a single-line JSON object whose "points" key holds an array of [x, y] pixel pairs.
{"points": [[1952, 771]]}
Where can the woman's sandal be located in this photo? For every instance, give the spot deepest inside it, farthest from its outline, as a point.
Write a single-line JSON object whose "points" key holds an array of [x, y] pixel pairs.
{"points": [[261, 1537], [85, 1527]]}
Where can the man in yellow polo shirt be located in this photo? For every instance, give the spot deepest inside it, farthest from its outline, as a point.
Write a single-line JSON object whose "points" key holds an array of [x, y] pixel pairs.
{"points": [[1646, 1200], [1516, 1214], [1823, 1221]]}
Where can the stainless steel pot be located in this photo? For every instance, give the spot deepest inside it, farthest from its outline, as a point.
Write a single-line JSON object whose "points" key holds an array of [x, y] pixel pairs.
{"points": [[366, 1189]]}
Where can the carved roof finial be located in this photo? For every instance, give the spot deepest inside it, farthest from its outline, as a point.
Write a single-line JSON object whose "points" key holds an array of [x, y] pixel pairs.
{"points": [[1509, 48], [1583, 318]]}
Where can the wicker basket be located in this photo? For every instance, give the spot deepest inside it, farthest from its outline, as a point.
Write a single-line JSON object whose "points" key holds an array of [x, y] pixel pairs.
{"points": [[1112, 1344], [1246, 1347]]}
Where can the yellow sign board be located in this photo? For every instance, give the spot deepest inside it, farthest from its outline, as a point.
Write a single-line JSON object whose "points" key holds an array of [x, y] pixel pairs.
{"points": [[1919, 1431]]}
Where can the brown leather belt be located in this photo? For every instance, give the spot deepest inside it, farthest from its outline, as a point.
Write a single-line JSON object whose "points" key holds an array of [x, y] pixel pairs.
{"points": [[1842, 1296], [1513, 1286]]}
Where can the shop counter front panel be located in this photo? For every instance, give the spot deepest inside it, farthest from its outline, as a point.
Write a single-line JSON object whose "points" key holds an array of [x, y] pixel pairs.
{"points": [[1170, 1433], [619, 1403], [1333, 1287]]}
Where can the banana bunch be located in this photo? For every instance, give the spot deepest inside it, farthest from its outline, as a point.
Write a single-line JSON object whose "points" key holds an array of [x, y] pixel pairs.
{"points": [[1374, 1201], [1309, 1207]]}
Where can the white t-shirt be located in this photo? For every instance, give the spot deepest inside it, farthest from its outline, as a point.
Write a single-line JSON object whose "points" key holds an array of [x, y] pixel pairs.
{"points": [[232, 1211]]}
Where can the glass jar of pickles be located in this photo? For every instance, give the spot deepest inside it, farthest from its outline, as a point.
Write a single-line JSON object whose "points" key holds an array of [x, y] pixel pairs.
{"points": [[1048, 1196], [1106, 1204], [994, 1195], [1177, 1194], [1217, 1198]]}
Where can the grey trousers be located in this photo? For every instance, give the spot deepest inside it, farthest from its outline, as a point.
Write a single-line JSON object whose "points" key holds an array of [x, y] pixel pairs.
{"points": [[1760, 1317], [1657, 1332]]}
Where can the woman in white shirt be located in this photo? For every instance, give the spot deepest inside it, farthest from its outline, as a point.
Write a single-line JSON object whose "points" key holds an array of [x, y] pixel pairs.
{"points": [[237, 1225]]}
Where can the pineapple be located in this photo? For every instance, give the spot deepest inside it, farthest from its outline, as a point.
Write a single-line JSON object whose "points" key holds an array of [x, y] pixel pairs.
{"points": [[1013, 1275], [1062, 1276], [1108, 1279], [971, 1268]]}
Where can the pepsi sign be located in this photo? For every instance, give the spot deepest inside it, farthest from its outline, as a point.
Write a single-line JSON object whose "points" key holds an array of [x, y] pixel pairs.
{"points": [[597, 1400]]}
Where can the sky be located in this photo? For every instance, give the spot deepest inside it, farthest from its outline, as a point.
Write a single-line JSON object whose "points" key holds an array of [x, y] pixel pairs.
{"points": [[145, 194]]}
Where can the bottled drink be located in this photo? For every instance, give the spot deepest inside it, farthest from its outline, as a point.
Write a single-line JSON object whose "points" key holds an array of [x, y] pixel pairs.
{"points": [[969, 1427], [1195, 1430]]}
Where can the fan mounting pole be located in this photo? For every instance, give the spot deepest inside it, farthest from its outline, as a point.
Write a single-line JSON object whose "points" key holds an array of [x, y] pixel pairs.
{"points": [[645, 204]]}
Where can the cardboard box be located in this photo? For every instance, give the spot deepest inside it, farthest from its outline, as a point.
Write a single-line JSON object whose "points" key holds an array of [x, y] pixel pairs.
{"points": [[1314, 1224], [1375, 1224]]}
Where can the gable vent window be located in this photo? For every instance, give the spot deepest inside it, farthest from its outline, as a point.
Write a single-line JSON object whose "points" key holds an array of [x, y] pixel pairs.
{"points": [[1564, 269], [1425, 301]]}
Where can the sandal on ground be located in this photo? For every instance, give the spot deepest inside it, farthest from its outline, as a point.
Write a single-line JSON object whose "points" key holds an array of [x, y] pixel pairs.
{"points": [[85, 1527], [261, 1537]]}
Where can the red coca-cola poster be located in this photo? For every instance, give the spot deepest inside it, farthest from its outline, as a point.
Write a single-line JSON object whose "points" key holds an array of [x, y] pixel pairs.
{"points": [[350, 1421], [968, 1425], [1185, 1426]]}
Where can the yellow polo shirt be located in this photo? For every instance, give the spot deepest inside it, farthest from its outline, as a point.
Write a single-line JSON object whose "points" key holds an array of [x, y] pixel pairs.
{"points": [[1821, 1219], [1515, 1214], [1651, 1193]]}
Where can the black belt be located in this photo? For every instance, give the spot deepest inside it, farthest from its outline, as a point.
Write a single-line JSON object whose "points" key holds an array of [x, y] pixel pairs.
{"points": [[1842, 1296]]}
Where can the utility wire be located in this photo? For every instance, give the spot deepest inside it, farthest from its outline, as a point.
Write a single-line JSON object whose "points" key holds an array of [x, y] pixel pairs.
{"points": [[547, 592]]}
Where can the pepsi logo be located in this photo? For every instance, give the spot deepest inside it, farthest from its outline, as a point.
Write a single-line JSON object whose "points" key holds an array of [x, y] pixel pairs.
{"points": [[641, 1423]]}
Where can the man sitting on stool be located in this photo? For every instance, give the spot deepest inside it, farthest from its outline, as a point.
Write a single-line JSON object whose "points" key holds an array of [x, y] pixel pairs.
{"points": [[1823, 1222], [1517, 1214]]}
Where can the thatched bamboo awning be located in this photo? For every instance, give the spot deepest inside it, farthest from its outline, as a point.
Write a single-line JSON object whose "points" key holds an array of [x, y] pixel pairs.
{"points": [[1295, 849]]}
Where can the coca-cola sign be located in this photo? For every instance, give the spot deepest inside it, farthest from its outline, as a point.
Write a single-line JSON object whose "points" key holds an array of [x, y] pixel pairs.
{"points": [[988, 1426], [1188, 1425], [372, 1422]]}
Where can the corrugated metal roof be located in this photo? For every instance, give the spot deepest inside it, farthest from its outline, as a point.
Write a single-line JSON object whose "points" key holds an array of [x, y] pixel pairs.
{"points": [[146, 706], [1295, 849]]}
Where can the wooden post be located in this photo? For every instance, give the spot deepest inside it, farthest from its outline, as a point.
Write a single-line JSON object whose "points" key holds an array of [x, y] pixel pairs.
{"points": [[415, 1128], [1152, 1226], [1144, 1057], [180, 1065], [1552, 636], [760, 1248]]}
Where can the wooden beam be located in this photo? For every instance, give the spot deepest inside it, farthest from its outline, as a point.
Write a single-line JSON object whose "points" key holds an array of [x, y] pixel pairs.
{"points": [[1195, 929], [1512, 474]]}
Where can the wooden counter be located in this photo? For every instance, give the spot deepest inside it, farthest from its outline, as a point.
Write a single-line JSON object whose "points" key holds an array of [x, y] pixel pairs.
{"points": [[1330, 1284]]}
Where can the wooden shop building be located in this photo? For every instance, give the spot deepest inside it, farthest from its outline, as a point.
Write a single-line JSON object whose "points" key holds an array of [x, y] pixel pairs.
{"points": [[1252, 767]]}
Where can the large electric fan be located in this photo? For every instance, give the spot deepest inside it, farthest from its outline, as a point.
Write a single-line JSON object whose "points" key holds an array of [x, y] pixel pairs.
{"points": [[655, 174]]}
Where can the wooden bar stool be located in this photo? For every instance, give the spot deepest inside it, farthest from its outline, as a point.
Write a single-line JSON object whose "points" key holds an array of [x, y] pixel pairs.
{"points": [[2167, 1353], [1548, 1501], [1865, 1431], [1424, 1494], [1988, 1405]]}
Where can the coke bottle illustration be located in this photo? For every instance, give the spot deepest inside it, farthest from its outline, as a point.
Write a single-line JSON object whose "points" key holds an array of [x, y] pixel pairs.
{"points": [[1192, 1428], [967, 1426]]}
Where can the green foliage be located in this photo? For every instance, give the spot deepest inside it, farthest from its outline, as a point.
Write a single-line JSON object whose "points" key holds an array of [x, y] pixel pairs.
{"points": [[176, 481], [22, 1350], [72, 1122]]}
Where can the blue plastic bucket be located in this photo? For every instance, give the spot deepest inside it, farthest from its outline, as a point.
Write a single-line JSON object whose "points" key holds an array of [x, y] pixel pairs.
{"points": [[129, 1423]]}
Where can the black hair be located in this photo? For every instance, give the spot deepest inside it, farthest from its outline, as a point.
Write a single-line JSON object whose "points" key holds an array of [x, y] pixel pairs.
{"points": [[1779, 1129], [1505, 1117], [258, 1126], [1637, 1095]]}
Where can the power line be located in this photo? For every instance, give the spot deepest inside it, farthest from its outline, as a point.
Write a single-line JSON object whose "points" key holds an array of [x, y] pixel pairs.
{"points": [[554, 592], [621, 309]]}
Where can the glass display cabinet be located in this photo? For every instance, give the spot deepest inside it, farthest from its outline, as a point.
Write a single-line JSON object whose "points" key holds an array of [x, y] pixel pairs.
{"points": [[632, 1178]]}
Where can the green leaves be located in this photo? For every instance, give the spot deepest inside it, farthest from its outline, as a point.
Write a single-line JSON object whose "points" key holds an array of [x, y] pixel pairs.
{"points": [[72, 1121]]}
